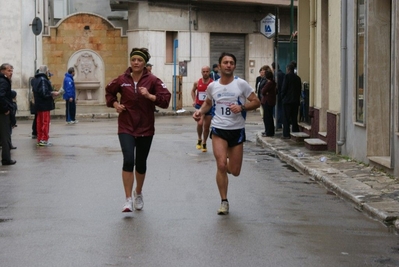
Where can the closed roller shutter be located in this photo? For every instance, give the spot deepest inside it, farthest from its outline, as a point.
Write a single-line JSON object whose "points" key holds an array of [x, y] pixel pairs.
{"points": [[231, 43]]}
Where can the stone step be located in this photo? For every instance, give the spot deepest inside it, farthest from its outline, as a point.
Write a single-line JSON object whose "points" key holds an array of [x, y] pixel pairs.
{"points": [[299, 136], [315, 144]]}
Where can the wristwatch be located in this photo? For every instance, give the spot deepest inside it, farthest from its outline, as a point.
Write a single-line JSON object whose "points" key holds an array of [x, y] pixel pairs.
{"points": [[243, 108]]}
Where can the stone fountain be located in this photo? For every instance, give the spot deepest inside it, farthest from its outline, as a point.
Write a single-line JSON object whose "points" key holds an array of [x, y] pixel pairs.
{"points": [[85, 76]]}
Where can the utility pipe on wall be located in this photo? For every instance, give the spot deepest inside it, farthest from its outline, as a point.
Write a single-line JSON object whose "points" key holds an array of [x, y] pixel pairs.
{"points": [[344, 73]]}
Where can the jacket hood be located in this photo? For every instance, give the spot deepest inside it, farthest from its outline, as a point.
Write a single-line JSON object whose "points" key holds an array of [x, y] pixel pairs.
{"points": [[38, 75]]}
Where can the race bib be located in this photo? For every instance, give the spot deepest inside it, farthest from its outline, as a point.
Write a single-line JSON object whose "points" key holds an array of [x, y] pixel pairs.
{"points": [[223, 108], [202, 96]]}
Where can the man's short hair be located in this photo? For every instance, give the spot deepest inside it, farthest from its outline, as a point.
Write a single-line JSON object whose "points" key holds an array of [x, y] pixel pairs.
{"points": [[225, 54], [71, 69], [148, 65], [290, 67], [274, 66], [5, 66], [214, 66]]}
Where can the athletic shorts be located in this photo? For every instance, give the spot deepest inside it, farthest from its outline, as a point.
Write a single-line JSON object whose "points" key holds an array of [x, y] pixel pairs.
{"points": [[233, 137], [209, 113]]}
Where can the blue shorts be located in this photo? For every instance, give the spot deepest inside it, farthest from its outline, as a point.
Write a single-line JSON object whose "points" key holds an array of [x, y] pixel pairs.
{"points": [[209, 113], [233, 137]]}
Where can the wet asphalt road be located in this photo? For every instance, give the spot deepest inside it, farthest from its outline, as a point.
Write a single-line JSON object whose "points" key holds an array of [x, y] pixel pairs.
{"points": [[61, 206]]}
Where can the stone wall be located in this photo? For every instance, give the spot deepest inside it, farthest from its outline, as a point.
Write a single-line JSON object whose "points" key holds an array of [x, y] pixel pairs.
{"points": [[88, 32]]}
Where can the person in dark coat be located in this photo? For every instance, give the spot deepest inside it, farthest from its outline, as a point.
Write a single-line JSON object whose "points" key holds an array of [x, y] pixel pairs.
{"points": [[261, 84], [291, 97], [6, 108], [44, 102], [268, 102], [279, 104], [258, 79], [215, 72]]}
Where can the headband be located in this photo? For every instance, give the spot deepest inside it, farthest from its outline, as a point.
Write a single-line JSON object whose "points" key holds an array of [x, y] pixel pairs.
{"points": [[140, 54]]}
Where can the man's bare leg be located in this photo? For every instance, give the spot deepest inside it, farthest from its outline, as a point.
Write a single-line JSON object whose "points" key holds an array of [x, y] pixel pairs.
{"points": [[219, 146], [206, 125]]}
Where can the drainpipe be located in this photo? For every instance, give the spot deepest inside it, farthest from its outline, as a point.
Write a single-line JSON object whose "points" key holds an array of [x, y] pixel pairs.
{"points": [[292, 31], [394, 84], [189, 27], [35, 61], [344, 71], [175, 45]]}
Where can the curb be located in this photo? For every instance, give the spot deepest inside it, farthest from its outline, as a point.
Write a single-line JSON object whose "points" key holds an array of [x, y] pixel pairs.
{"points": [[362, 196]]}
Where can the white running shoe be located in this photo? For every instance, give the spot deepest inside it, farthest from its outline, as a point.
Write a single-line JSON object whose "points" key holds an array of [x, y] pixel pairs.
{"points": [[128, 207], [224, 208], [138, 201], [44, 143]]}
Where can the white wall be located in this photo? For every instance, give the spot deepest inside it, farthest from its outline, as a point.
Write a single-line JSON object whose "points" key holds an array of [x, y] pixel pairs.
{"points": [[18, 44]]}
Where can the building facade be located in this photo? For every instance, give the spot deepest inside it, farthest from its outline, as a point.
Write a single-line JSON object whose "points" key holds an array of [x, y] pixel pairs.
{"points": [[348, 53], [196, 34], [202, 29]]}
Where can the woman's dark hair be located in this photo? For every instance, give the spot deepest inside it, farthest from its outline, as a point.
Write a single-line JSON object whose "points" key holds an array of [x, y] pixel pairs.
{"points": [[269, 75]]}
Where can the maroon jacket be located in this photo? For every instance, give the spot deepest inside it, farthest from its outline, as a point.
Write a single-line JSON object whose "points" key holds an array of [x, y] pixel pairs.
{"points": [[269, 93], [138, 118]]}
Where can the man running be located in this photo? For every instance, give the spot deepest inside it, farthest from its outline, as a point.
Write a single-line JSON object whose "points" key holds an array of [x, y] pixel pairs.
{"points": [[198, 93], [231, 97]]}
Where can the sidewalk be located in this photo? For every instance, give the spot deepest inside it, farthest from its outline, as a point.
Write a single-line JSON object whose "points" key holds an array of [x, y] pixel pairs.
{"points": [[368, 190], [98, 112]]}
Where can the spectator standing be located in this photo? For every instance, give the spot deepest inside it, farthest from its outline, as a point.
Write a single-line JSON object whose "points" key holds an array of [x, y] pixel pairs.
{"points": [[70, 96], [198, 94], [268, 102], [279, 106], [215, 72], [149, 67], [44, 102], [261, 84], [231, 97], [13, 116], [33, 109], [140, 92], [6, 108], [291, 97], [258, 80]]}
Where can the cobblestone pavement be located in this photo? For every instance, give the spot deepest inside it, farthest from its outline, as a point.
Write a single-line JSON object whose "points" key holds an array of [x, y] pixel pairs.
{"points": [[369, 190]]}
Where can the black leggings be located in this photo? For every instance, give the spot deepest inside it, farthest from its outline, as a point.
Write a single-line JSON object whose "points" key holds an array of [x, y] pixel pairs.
{"points": [[142, 145]]}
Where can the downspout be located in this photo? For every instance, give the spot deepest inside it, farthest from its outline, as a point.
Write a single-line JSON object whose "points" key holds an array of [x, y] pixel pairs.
{"points": [[189, 27], [35, 62], [292, 31], [344, 73], [312, 51], [394, 10]]}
